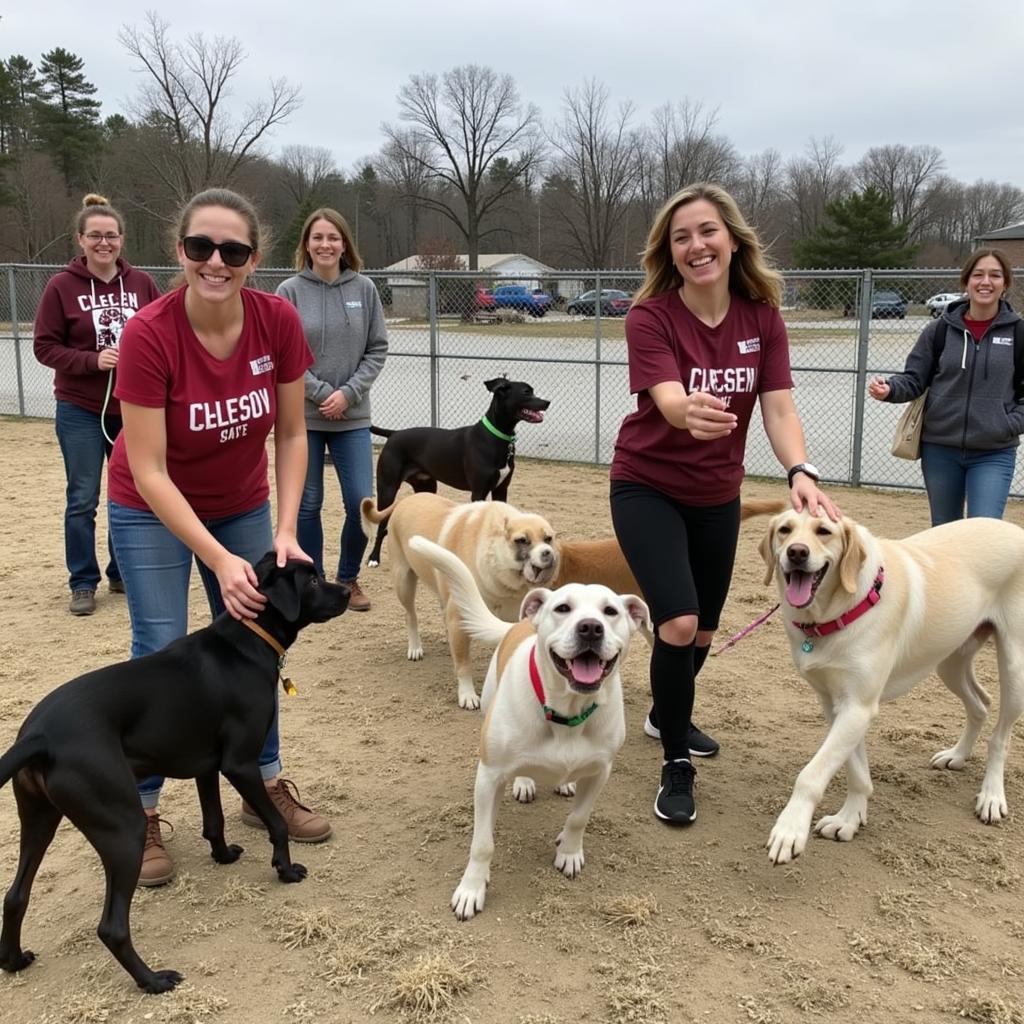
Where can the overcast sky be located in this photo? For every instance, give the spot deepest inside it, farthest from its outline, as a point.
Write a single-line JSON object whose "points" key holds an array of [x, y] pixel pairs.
{"points": [[940, 72]]}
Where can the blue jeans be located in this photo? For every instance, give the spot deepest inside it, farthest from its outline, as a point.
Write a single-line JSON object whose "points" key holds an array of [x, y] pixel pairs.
{"points": [[952, 475], [351, 453], [84, 448], [156, 568]]}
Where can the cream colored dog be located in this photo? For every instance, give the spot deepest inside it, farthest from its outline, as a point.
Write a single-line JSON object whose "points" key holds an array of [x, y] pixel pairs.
{"points": [[506, 550], [552, 701], [867, 619]]}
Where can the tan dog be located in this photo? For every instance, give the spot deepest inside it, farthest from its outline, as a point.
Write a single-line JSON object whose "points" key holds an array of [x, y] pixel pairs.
{"points": [[553, 703], [507, 552], [867, 619]]}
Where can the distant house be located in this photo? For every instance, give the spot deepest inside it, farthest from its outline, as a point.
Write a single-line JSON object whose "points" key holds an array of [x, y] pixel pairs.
{"points": [[409, 290], [1009, 239]]}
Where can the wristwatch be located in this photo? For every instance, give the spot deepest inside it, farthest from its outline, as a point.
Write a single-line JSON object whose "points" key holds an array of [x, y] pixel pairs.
{"points": [[803, 467]]}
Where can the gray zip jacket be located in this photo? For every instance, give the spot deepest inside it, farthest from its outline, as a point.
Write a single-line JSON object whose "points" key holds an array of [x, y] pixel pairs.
{"points": [[976, 396], [344, 325]]}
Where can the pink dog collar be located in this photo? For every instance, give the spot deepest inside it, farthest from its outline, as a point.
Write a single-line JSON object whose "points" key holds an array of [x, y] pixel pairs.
{"points": [[874, 595]]}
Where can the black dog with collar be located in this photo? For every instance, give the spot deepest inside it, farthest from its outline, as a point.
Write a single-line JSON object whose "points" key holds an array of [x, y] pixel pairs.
{"points": [[201, 706], [479, 458]]}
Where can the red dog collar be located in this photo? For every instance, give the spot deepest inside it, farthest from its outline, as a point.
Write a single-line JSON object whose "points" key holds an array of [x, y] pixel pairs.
{"points": [[874, 595], [550, 713]]}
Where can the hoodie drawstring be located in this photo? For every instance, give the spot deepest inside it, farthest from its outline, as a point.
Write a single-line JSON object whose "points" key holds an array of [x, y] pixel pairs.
{"points": [[110, 372]]}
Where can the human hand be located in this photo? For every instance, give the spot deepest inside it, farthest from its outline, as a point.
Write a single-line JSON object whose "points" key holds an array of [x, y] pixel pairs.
{"points": [[707, 418], [805, 491], [287, 546], [107, 358], [237, 580], [333, 408], [878, 388]]}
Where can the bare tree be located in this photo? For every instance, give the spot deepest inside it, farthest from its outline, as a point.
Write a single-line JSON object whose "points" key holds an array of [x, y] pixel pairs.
{"points": [[404, 164], [813, 181], [305, 170], [598, 160], [902, 174], [194, 142], [460, 124]]}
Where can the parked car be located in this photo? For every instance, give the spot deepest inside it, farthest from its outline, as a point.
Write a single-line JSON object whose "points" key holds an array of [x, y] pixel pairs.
{"points": [[484, 301], [613, 303], [890, 304], [517, 296], [937, 303]]}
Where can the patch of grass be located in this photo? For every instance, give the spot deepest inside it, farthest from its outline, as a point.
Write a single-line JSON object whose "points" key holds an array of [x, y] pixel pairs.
{"points": [[930, 958], [427, 990], [634, 999], [900, 905], [237, 891], [630, 910], [813, 995], [987, 1008], [185, 1005], [298, 929]]}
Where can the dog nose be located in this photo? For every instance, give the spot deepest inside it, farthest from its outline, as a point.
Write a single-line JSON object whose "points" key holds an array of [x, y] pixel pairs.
{"points": [[590, 629], [546, 556], [798, 553]]}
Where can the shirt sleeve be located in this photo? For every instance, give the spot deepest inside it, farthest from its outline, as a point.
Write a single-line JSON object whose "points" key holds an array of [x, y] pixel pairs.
{"points": [[50, 342], [143, 370], [776, 373], [650, 349]]}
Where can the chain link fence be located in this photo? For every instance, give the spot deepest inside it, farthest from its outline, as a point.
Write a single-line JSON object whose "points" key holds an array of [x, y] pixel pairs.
{"points": [[452, 330]]}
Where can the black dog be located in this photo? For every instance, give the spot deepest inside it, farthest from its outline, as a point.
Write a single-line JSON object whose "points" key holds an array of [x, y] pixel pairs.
{"points": [[479, 458], [202, 705]]}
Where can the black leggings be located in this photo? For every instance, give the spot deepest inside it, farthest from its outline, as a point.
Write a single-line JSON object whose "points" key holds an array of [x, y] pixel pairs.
{"points": [[682, 557]]}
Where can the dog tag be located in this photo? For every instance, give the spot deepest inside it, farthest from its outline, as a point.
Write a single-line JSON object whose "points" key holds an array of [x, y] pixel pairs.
{"points": [[807, 646], [289, 686]]}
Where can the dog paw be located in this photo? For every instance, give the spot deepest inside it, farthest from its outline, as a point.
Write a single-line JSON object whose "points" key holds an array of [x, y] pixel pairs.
{"points": [[468, 900], [161, 981], [950, 759], [415, 652], [841, 827], [372, 563], [524, 789], [229, 854], [788, 837], [570, 864], [566, 789], [293, 873], [17, 961], [468, 698], [991, 808]]}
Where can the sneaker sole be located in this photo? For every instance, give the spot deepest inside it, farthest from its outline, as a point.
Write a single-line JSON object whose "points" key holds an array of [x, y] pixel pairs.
{"points": [[673, 821], [655, 734], [254, 822]]}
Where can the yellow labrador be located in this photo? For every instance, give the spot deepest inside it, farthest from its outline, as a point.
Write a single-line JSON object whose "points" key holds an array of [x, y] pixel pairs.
{"points": [[868, 618], [552, 702]]}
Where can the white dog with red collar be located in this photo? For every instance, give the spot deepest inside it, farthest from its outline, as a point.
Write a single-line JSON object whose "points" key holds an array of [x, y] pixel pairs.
{"points": [[552, 705]]}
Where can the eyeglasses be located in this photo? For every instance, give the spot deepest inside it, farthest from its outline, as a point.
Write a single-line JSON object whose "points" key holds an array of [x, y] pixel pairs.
{"points": [[96, 237], [199, 249]]}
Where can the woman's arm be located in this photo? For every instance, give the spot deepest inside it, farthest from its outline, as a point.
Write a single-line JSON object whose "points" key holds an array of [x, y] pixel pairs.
{"points": [[701, 413], [145, 439], [291, 451], [786, 434]]}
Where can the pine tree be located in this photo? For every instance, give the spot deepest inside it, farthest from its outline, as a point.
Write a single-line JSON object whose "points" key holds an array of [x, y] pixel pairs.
{"points": [[19, 92]]}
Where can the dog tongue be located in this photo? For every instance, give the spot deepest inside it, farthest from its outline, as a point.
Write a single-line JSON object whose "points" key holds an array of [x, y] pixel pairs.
{"points": [[798, 589], [586, 669]]}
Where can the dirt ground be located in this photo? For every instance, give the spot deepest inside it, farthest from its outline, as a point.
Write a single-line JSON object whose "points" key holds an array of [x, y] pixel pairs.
{"points": [[921, 918]]}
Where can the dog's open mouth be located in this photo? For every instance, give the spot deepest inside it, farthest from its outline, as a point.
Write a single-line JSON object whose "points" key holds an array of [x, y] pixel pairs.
{"points": [[802, 586], [538, 575], [531, 415], [586, 671]]}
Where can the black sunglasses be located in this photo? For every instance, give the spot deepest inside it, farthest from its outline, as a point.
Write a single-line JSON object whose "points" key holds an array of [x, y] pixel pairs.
{"points": [[199, 249]]}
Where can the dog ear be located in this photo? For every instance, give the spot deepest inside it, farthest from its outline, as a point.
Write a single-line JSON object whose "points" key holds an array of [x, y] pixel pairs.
{"points": [[265, 566], [767, 550], [853, 557], [638, 612], [533, 602], [496, 384], [282, 588]]}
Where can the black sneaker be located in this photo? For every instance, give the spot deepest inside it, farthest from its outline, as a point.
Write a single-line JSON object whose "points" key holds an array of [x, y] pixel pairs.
{"points": [[674, 802], [700, 743]]}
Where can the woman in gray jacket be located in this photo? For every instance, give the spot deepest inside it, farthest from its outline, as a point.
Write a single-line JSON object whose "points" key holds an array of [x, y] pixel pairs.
{"points": [[343, 320], [974, 412]]}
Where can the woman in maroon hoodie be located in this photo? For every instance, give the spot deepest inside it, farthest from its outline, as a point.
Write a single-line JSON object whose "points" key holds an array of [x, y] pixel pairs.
{"points": [[77, 329]]}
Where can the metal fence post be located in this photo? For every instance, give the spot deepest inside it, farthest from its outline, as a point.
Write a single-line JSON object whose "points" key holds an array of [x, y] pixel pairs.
{"points": [[16, 334], [435, 375], [597, 368], [861, 376]]}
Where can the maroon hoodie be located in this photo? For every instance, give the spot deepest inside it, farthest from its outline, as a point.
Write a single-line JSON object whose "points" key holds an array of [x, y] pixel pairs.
{"points": [[78, 316]]}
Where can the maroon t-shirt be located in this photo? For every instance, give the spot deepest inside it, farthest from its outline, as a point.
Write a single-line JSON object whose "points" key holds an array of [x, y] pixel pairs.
{"points": [[218, 411], [745, 355]]}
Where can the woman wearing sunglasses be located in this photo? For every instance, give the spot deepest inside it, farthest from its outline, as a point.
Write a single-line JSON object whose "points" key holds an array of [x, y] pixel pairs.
{"points": [[343, 319], [206, 373], [77, 329]]}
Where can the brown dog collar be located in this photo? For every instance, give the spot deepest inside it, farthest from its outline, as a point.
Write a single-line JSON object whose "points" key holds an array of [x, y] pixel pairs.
{"points": [[282, 657]]}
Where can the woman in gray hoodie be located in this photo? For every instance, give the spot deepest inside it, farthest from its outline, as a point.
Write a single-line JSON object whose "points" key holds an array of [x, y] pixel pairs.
{"points": [[343, 320], [972, 362]]}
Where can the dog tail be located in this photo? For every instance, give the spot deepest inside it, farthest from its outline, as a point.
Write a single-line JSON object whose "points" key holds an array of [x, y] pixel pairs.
{"points": [[370, 515], [751, 507], [380, 431], [26, 749], [477, 619]]}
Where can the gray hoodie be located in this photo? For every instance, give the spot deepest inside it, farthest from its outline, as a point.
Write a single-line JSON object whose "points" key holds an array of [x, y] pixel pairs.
{"points": [[344, 325], [976, 396]]}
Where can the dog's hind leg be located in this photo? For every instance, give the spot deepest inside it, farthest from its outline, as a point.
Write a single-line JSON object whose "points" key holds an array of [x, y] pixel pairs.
{"points": [[39, 821], [404, 581], [569, 857], [208, 787], [844, 824], [991, 806], [957, 672], [458, 642]]}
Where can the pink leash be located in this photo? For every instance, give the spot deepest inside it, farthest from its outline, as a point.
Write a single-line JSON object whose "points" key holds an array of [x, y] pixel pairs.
{"points": [[737, 637]]}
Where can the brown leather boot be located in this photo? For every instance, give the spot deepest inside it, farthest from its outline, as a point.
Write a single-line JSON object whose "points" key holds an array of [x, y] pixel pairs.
{"points": [[357, 599], [304, 825], [157, 866]]}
